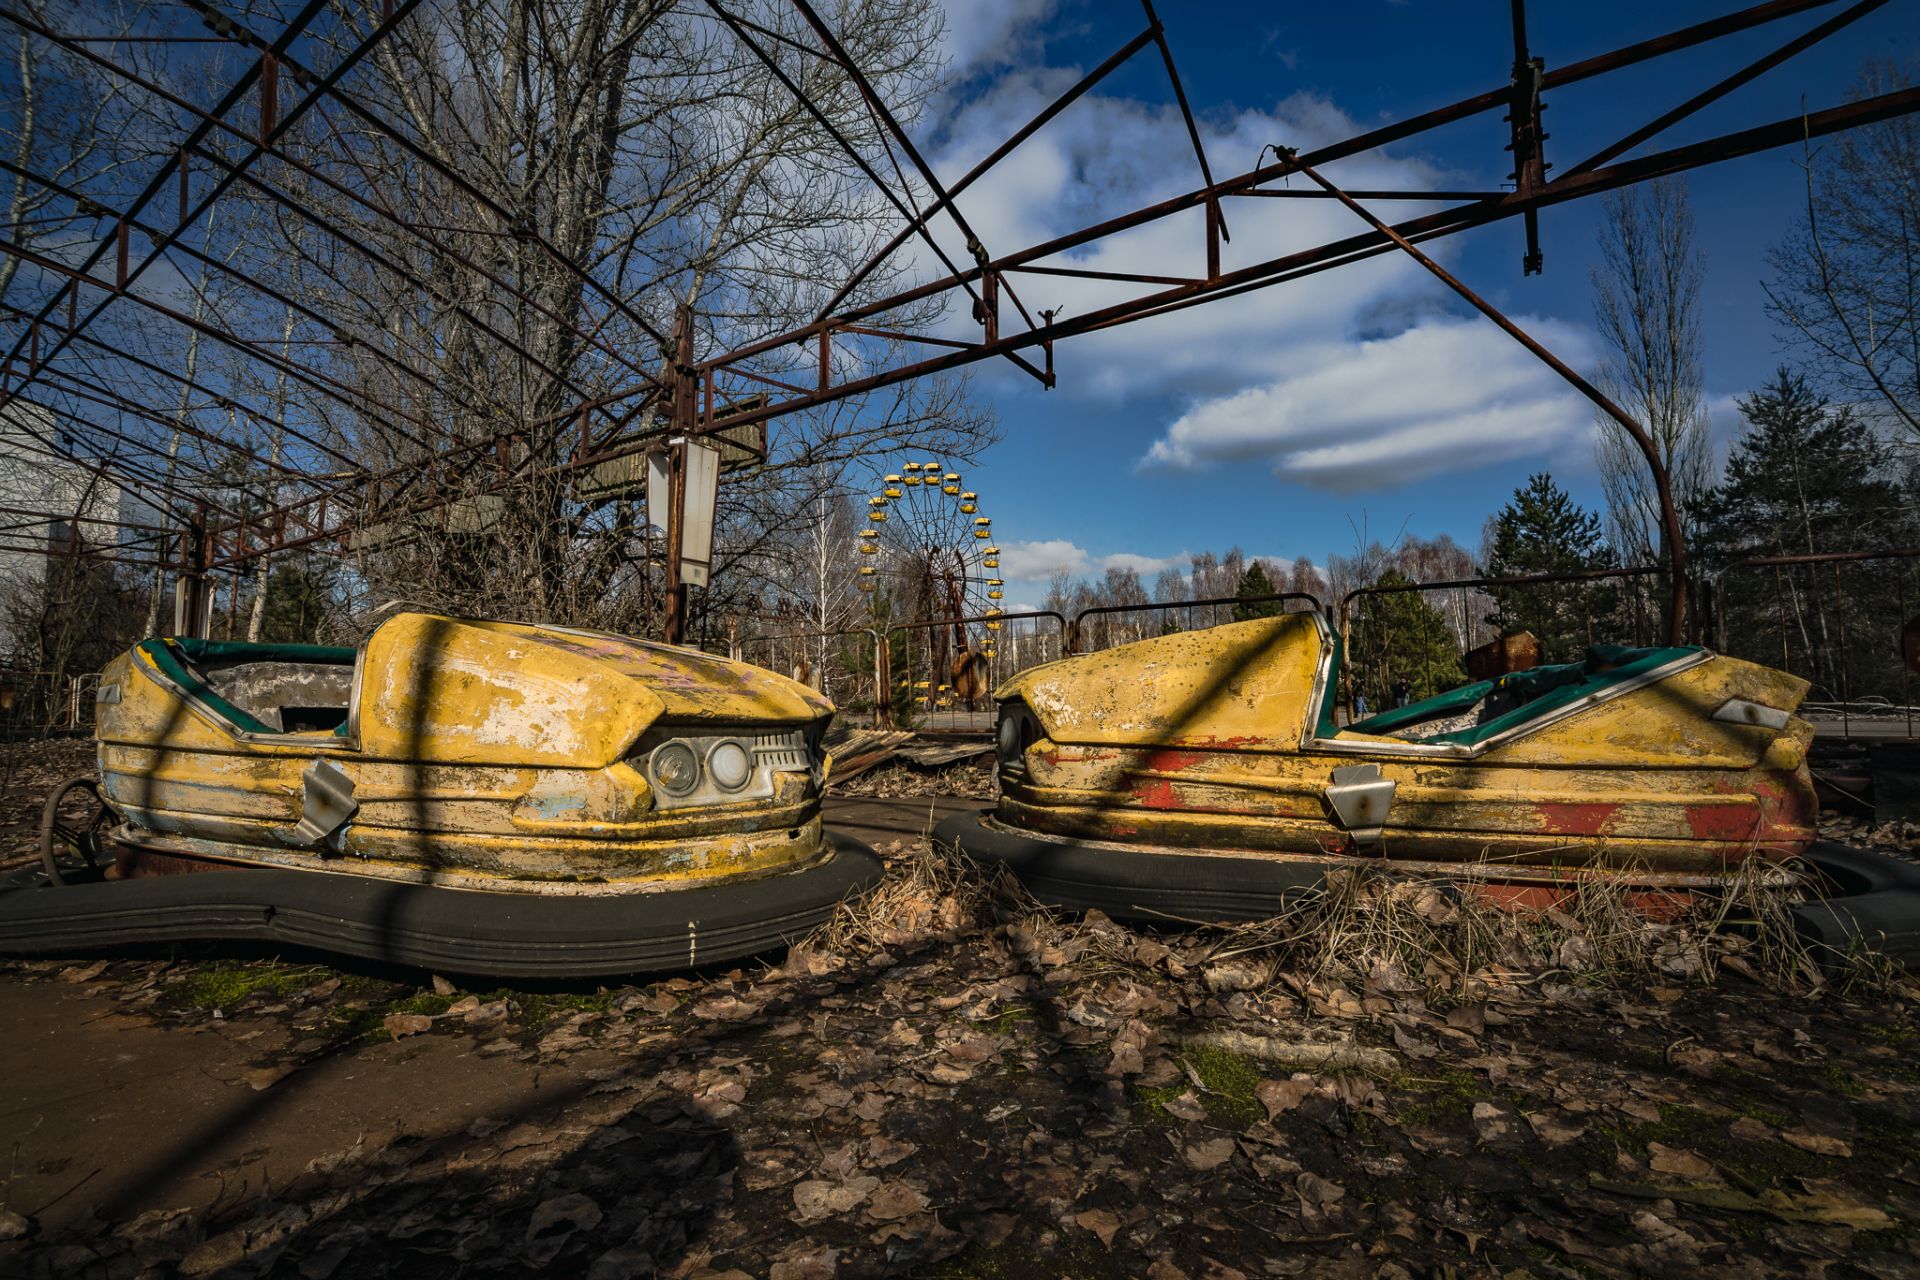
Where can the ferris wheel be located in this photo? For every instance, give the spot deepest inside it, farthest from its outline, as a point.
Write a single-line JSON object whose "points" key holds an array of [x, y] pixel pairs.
{"points": [[928, 546]]}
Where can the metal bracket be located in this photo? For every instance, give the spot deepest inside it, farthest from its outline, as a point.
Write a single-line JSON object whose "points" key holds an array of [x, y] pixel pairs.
{"points": [[1360, 799], [327, 803]]}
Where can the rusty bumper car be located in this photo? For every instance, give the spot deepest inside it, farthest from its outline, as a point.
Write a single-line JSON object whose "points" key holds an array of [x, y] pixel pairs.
{"points": [[1203, 776], [468, 796]]}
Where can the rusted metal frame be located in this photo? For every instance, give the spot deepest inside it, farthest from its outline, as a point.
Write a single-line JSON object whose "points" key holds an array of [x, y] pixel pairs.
{"points": [[590, 337], [41, 517], [354, 107], [225, 268], [83, 554], [1124, 277], [1358, 144], [123, 472], [275, 194], [840, 139], [1799, 44], [1071, 635], [1216, 220], [1674, 41], [1717, 584], [107, 398], [234, 95], [878, 109], [120, 474], [407, 472], [222, 399], [1527, 134], [1261, 274], [300, 373], [895, 335], [924, 624], [416, 469], [1310, 193], [1663, 485], [994, 157]]}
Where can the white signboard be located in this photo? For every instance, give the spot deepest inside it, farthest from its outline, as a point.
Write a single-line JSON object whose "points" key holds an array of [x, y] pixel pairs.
{"points": [[702, 477]]}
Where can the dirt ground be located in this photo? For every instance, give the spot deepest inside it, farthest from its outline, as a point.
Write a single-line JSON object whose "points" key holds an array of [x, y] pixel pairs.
{"points": [[953, 1085]]}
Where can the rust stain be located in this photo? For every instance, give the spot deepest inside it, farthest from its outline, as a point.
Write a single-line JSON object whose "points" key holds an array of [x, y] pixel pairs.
{"points": [[1575, 818]]}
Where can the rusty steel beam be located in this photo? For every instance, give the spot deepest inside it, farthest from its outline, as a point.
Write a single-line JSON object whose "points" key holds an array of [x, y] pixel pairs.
{"points": [[1725, 147], [1656, 465], [235, 94], [1720, 89]]}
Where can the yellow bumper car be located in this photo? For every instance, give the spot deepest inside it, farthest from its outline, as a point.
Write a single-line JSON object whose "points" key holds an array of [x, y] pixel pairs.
{"points": [[469, 796], [1202, 775]]}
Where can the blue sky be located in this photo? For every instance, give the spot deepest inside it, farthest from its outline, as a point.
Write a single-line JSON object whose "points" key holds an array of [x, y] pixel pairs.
{"points": [[1365, 400]]}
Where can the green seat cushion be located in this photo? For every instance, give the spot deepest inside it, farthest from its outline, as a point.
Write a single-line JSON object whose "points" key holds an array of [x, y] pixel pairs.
{"points": [[1543, 690]]}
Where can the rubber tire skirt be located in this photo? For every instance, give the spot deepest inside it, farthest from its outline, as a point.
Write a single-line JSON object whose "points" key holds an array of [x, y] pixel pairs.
{"points": [[445, 930], [1872, 901]]}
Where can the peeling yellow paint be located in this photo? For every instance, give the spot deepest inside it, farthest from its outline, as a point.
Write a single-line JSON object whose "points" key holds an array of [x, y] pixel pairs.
{"points": [[481, 753], [1212, 739]]}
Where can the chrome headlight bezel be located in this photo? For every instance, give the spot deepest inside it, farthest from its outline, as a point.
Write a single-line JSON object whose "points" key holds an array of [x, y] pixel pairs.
{"points": [[770, 751]]}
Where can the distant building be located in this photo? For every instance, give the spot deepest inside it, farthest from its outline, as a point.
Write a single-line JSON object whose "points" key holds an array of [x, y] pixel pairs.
{"points": [[49, 499]]}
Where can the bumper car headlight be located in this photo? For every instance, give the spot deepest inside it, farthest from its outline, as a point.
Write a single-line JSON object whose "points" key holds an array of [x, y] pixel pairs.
{"points": [[674, 769], [730, 765]]}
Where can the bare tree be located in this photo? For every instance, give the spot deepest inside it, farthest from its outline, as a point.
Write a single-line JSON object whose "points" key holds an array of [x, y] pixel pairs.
{"points": [[1646, 294], [1845, 289]]}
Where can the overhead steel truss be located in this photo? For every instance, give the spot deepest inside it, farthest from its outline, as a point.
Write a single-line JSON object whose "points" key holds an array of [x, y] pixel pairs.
{"points": [[320, 493]]}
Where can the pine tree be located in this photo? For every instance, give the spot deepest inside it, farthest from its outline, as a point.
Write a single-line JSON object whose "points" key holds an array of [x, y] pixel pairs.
{"points": [[1807, 476], [1255, 582], [1401, 640], [1543, 530]]}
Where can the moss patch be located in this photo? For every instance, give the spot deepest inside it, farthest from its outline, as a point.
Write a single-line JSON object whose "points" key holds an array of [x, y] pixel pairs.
{"points": [[1228, 1098], [1448, 1094], [224, 984]]}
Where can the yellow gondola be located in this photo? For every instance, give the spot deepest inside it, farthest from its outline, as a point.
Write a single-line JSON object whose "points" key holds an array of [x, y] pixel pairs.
{"points": [[876, 502], [983, 521], [911, 466], [892, 491], [878, 517], [893, 479], [951, 490], [869, 548], [994, 595], [970, 496], [967, 508], [995, 582], [981, 533], [991, 563], [953, 477]]}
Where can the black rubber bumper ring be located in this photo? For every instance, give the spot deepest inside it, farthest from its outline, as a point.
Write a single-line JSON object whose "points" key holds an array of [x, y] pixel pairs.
{"points": [[1872, 901], [445, 930], [1132, 885]]}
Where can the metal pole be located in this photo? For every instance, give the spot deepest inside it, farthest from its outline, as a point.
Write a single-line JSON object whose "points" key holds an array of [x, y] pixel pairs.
{"points": [[674, 628]]}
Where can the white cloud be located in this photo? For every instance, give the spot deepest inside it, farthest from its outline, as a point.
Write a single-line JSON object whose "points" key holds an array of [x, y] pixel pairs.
{"points": [[1038, 561], [982, 34], [1145, 566], [1444, 395]]}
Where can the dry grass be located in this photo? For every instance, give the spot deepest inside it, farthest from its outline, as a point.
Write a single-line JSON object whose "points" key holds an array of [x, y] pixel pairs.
{"points": [[1390, 934]]}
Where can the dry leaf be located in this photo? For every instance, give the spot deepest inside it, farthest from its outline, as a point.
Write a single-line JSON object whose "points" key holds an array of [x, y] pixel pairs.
{"points": [[1555, 1130], [1185, 1107], [1819, 1143], [1314, 1189], [895, 1200], [1102, 1222], [1209, 1154], [406, 1024], [1677, 1161], [1282, 1095]]}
